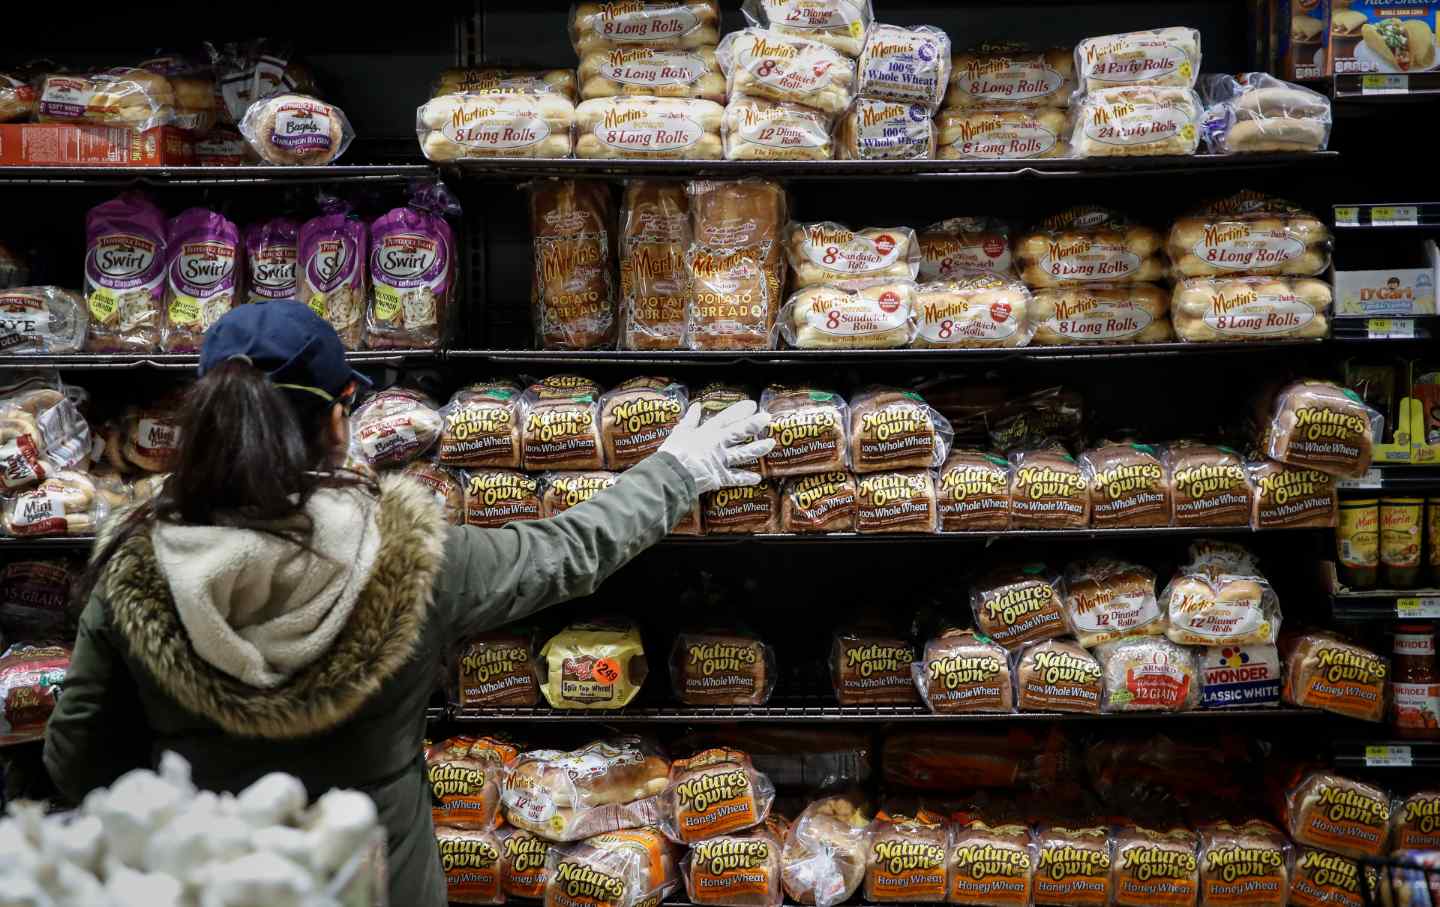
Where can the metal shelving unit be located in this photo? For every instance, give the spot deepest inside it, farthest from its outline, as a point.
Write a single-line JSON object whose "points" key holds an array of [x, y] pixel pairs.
{"points": [[188, 361], [234, 177], [1395, 477]]}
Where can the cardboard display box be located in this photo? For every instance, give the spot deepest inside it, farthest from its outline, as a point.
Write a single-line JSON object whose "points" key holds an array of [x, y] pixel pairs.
{"points": [[63, 145]]}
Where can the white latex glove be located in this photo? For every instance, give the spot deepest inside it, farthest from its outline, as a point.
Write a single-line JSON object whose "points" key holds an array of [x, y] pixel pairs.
{"points": [[712, 452]]}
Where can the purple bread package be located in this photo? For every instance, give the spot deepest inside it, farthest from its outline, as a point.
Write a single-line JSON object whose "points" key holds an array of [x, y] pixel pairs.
{"points": [[201, 277], [271, 249], [125, 243], [412, 271], [333, 251]]}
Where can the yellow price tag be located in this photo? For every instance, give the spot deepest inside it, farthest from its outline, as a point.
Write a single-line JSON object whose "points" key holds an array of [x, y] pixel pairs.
{"points": [[1384, 84], [389, 304], [1395, 216], [1347, 216], [1390, 328], [1417, 607]]}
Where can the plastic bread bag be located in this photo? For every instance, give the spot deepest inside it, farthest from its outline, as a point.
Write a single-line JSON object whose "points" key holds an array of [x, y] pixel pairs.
{"points": [[333, 256], [413, 270], [997, 134], [842, 24], [964, 246], [296, 129], [1089, 244], [637, 416], [1249, 234], [42, 320], [470, 861], [762, 63], [573, 291], [894, 429], [1319, 878], [465, 775], [151, 437], [660, 24], [722, 667], [1210, 484], [1149, 674], [655, 291], [755, 129], [1102, 313], [903, 501], [1129, 486], [396, 426], [1050, 490], [561, 417], [446, 485], [1412, 822], [564, 490], [598, 664], [31, 679], [911, 65], [504, 80], [510, 124], [1058, 676], [745, 510], [42, 432], [961, 672], [1250, 860], [566, 796], [976, 311], [809, 426], [974, 492], [524, 856], [125, 254], [880, 130], [202, 277], [907, 857], [1011, 74], [1324, 671], [828, 253], [825, 851], [742, 868], [197, 100], [638, 70], [821, 503], [223, 147], [498, 669], [1107, 600], [715, 792], [1339, 815], [1292, 496], [18, 98], [1015, 605], [1137, 121], [499, 497], [736, 263], [126, 97], [1255, 111], [1153, 867], [870, 665], [1222, 610], [34, 595], [1072, 866], [1163, 56], [628, 868], [1230, 309], [482, 426], [64, 503], [1321, 425], [272, 251], [879, 315], [649, 128]]}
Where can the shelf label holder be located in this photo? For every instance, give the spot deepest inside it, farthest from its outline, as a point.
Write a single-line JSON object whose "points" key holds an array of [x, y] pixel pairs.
{"points": [[1384, 84], [1417, 608], [1388, 757]]}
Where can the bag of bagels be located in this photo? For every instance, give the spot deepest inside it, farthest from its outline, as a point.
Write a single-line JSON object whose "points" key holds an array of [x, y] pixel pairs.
{"points": [[1321, 425], [42, 432], [895, 429], [64, 503]]}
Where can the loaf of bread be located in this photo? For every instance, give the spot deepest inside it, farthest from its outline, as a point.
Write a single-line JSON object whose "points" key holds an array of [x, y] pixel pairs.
{"points": [[594, 664], [1252, 857], [655, 291], [895, 429], [763, 63], [637, 416], [877, 316], [518, 123], [1072, 866], [1321, 425], [1154, 867], [1162, 56], [1323, 671], [869, 666], [642, 863], [986, 134], [841, 24], [649, 127], [715, 792], [1137, 121], [1011, 75], [736, 264], [562, 434], [962, 246], [563, 490], [1292, 496], [498, 497], [465, 775], [447, 487], [1102, 313], [525, 860], [395, 426], [125, 97], [296, 129], [979, 311], [761, 130], [1208, 309], [41, 319], [974, 492], [573, 296], [482, 426], [809, 428], [1149, 674], [1107, 600], [823, 861], [1249, 233], [1088, 244], [498, 669], [888, 502], [746, 510], [960, 672], [829, 253], [505, 80], [722, 668], [907, 859], [819, 503], [1058, 676], [910, 65], [742, 869], [18, 98], [125, 252], [334, 253], [1049, 490], [661, 24], [1412, 823], [1321, 879], [1339, 815], [470, 862], [637, 69], [991, 866], [1015, 605], [1129, 486], [879, 130]]}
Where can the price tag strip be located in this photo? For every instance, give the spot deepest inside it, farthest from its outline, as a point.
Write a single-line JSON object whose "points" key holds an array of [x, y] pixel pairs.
{"points": [[1347, 216], [1395, 216], [1417, 608], [1385, 84], [1371, 479], [1390, 328], [1388, 757]]}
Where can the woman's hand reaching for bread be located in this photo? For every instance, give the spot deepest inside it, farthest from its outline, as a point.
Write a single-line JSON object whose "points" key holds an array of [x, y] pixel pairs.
{"points": [[714, 453]]}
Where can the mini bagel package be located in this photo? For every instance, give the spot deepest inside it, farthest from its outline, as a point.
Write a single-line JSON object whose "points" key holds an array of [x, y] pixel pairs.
{"points": [[482, 426], [562, 424], [518, 123], [637, 416], [65, 503], [661, 24], [593, 665], [1058, 676], [755, 129], [1049, 489], [296, 129], [637, 69], [763, 63], [830, 253], [878, 315], [907, 859], [1089, 244], [963, 246], [1323, 671], [1163, 56], [996, 134], [1256, 112], [1321, 425], [1131, 122], [880, 130], [395, 426], [810, 428], [841, 24], [1107, 600], [649, 127], [991, 866], [715, 792], [889, 502], [961, 671], [1012, 75], [895, 429], [974, 491], [1339, 815], [1249, 234], [1149, 674], [977, 311], [911, 65], [1018, 605], [1230, 309], [1129, 486], [1101, 313], [818, 503]]}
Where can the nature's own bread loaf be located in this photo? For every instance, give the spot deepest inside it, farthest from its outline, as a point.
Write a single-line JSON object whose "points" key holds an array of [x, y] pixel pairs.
{"points": [[746, 510], [1155, 867], [979, 134], [871, 667], [524, 863], [572, 295], [736, 264], [482, 426], [715, 792], [1292, 496], [1413, 823], [743, 868], [1339, 815], [1248, 861], [470, 861], [809, 428], [445, 485], [1101, 313], [649, 127], [1049, 490], [1227, 309], [1011, 75], [465, 776], [911, 65], [639, 70], [498, 669], [756, 129], [959, 672], [991, 866], [895, 429], [1323, 671], [823, 502], [498, 497], [636, 418], [1107, 599], [1149, 674], [641, 863], [564, 490], [828, 253], [763, 63], [1017, 605], [877, 130], [1323, 879], [1058, 676], [562, 424], [1320, 425], [974, 492], [981, 310], [1089, 244], [721, 668], [895, 502], [1210, 485], [1162, 56], [1072, 867], [841, 24], [876, 316], [655, 290], [906, 860], [651, 23], [1127, 122], [1129, 486]]}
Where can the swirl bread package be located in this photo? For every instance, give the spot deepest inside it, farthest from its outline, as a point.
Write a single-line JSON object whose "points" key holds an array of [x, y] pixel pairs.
{"points": [[498, 669], [1133, 122], [1049, 489], [499, 497], [655, 293], [659, 24], [1339, 815], [446, 485], [744, 510], [637, 416], [873, 129], [396, 426], [1129, 486], [1156, 868], [296, 130], [1249, 234], [563, 490], [1072, 867], [991, 866], [823, 861], [730, 667], [736, 264], [1102, 313], [1058, 676], [763, 63], [272, 249], [1015, 605], [601, 787], [1230, 309], [412, 271], [1210, 485], [870, 666], [593, 665], [974, 492], [889, 502], [649, 128], [524, 859], [517, 123], [1163, 56], [1324, 671], [874, 315], [1000, 73], [911, 65], [1256, 112], [1107, 600], [842, 24], [334, 253], [42, 320], [125, 97], [715, 792], [1292, 496], [962, 246], [202, 277], [482, 426], [633, 867], [976, 311], [1088, 244], [907, 858], [504, 80], [572, 297], [819, 503], [1321, 425], [996, 134], [809, 426], [830, 253], [738, 869], [755, 129], [1243, 864], [637, 69], [562, 424], [961, 671], [125, 253], [895, 429], [1149, 674]]}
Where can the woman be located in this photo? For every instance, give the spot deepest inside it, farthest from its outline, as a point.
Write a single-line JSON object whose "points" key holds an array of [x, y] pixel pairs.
{"points": [[272, 612]]}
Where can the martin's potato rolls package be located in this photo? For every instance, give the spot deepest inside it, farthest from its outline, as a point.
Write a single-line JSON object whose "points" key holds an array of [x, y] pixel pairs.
{"points": [[755, 129], [1163, 56], [1007, 74], [660, 24], [1089, 244], [1101, 313], [736, 263], [1249, 234], [905, 64], [880, 130], [984, 310], [962, 246], [987, 134], [635, 69], [509, 124], [655, 292], [877, 316], [1135, 121], [763, 63], [646, 127], [572, 296], [830, 253], [842, 24], [1229, 309]]}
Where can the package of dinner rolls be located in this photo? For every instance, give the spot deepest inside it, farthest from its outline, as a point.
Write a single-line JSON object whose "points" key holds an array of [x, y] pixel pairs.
{"points": [[1249, 234], [868, 315], [963, 246], [1072, 867], [518, 123], [1249, 861], [655, 289], [482, 426], [1102, 313], [810, 428], [1018, 604], [1136, 121], [1049, 489], [572, 295], [995, 134], [1230, 309], [742, 868], [1149, 674], [911, 65], [1089, 244], [66, 502], [823, 861], [895, 429], [1155, 867], [818, 503], [412, 270], [601, 787], [334, 254], [760, 130], [830, 253], [563, 490], [296, 129], [637, 416], [42, 320], [650, 128], [842, 24], [660, 24], [596, 664], [874, 129], [197, 102], [126, 96], [1324, 671], [763, 63], [1256, 112], [1058, 676], [1339, 815], [722, 667], [395, 426], [907, 859], [504, 80], [1288, 497], [715, 792], [1321, 425], [1010, 74], [1225, 609], [743, 510], [561, 416], [125, 254], [638, 69], [869, 665], [974, 492], [1129, 486], [1167, 57], [736, 264], [975, 311], [1107, 599], [961, 671], [447, 487], [498, 669], [903, 501]]}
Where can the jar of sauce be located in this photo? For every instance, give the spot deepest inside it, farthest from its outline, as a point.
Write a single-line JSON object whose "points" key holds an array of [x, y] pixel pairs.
{"points": [[1357, 542], [1400, 525], [1415, 683]]}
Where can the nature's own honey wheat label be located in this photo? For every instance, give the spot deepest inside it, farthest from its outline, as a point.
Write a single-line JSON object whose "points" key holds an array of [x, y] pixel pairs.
{"points": [[991, 867], [1323, 879], [471, 862], [522, 865], [1417, 823], [1342, 817], [1073, 868], [1346, 679], [1153, 870], [1243, 872], [730, 870], [712, 796], [906, 863]]}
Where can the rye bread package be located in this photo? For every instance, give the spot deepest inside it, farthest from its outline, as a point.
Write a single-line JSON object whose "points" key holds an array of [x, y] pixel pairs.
{"points": [[125, 243], [412, 270], [333, 249], [271, 250], [202, 277]]}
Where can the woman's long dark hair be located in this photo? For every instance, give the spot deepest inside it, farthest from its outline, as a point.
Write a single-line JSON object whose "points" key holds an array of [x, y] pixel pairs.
{"points": [[250, 456]]}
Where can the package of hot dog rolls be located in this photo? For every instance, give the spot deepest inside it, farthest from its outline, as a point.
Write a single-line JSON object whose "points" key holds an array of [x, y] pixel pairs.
{"points": [[763, 63], [992, 134], [981, 310], [515, 123], [635, 69], [504, 80], [649, 127], [1168, 57], [1137, 121], [1252, 234], [1256, 112], [1230, 309], [1003, 73], [1101, 313], [842, 24], [1089, 244], [655, 290], [659, 24]]}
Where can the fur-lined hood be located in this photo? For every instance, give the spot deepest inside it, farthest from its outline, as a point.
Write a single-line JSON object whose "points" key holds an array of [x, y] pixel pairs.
{"points": [[379, 637]]}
